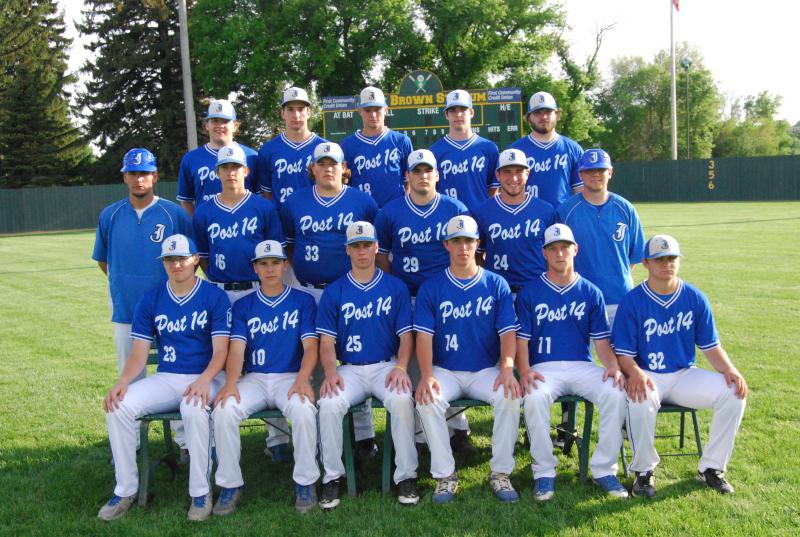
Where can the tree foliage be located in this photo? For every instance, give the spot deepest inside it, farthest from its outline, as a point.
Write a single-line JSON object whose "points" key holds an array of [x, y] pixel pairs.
{"points": [[752, 130]]}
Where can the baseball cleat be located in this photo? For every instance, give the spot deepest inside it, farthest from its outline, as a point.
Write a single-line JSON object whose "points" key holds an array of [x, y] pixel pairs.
{"points": [[407, 493], [644, 485], [715, 479], [446, 489], [544, 488], [502, 487], [228, 500], [280, 453], [305, 498], [201, 508], [116, 507], [460, 443], [330, 494], [612, 486], [366, 449]]}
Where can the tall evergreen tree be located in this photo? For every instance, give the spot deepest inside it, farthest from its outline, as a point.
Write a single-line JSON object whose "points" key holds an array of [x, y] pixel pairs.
{"points": [[39, 145], [134, 95]]}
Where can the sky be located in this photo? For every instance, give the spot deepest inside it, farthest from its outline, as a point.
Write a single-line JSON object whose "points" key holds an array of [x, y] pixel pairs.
{"points": [[748, 46]]}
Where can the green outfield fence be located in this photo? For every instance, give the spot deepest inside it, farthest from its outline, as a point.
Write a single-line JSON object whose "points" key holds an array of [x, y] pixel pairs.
{"points": [[730, 179]]}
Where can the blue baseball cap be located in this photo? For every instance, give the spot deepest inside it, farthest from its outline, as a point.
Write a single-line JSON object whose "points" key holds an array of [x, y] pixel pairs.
{"points": [[421, 156], [178, 246], [139, 159], [661, 246], [371, 96], [458, 97], [462, 226], [361, 231], [556, 233], [541, 99], [329, 150], [221, 108], [594, 159], [231, 153], [268, 248]]}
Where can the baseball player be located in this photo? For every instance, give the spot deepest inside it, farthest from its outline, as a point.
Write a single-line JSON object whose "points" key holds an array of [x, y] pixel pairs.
{"points": [[512, 224], [284, 160], [197, 176], [376, 154], [315, 221], [412, 229], [552, 157], [364, 320], [274, 337], [658, 325], [467, 162], [128, 241], [559, 312], [608, 229], [466, 341], [190, 320]]}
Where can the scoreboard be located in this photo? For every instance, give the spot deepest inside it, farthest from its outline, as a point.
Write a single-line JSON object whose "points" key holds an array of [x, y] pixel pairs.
{"points": [[498, 116]]}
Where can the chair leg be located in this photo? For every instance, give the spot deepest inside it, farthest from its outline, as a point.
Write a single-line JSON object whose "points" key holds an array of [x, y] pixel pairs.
{"points": [[144, 463], [697, 434], [388, 454], [347, 449], [683, 428], [585, 441], [572, 431]]}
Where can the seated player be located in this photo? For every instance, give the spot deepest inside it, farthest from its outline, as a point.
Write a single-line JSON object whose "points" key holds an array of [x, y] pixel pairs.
{"points": [[190, 319], [364, 320], [274, 337], [466, 332], [657, 326], [562, 312]]}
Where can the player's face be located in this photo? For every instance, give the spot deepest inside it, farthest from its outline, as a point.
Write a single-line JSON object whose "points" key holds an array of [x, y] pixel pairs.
{"points": [[180, 269], [459, 117], [295, 115], [560, 256], [544, 120], [220, 131], [512, 179], [362, 254], [270, 270], [596, 180], [373, 117], [328, 173], [232, 175], [140, 184], [462, 251], [422, 179], [663, 268]]}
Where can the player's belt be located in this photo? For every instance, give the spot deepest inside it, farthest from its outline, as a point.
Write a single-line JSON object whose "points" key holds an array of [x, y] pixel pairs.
{"points": [[237, 286], [314, 285], [367, 363]]}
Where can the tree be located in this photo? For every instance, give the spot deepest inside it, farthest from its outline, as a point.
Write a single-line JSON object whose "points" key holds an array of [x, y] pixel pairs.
{"points": [[635, 108], [134, 95], [751, 130], [39, 145]]}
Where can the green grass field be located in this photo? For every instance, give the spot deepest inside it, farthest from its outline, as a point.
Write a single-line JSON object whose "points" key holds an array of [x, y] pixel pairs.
{"points": [[57, 361]]}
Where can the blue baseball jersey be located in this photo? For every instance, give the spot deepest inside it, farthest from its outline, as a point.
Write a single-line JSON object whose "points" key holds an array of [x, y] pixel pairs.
{"points": [[367, 319], [466, 318], [283, 165], [197, 175], [317, 227], [131, 246], [560, 321], [273, 329], [512, 237], [466, 168], [414, 234], [228, 236], [183, 326], [554, 167], [610, 239], [660, 332], [378, 164]]}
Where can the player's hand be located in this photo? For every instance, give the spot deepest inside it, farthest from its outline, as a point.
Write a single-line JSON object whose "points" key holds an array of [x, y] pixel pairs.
{"points": [[509, 383], [198, 391], [114, 396], [331, 385], [427, 390], [734, 378], [616, 376], [528, 380], [228, 390], [398, 380], [638, 383], [303, 389]]}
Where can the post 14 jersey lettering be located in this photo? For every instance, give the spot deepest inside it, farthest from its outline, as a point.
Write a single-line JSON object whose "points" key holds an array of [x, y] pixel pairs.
{"points": [[197, 175], [378, 164], [283, 165], [466, 168], [554, 167]]}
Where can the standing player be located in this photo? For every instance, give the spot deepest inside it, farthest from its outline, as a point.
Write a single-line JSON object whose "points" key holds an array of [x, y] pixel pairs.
{"points": [[560, 312], [274, 337], [376, 154], [197, 176], [364, 320], [512, 224], [189, 318], [283, 161], [128, 241], [607, 228], [465, 323], [552, 157], [657, 327], [467, 161]]}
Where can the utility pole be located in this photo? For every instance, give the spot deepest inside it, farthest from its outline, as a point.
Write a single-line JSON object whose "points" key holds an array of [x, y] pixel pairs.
{"points": [[186, 70]]}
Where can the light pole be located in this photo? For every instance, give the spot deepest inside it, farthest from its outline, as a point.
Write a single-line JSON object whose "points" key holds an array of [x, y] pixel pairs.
{"points": [[686, 63]]}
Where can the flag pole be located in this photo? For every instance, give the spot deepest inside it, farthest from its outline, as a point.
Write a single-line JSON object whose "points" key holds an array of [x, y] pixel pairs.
{"points": [[673, 93]]}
